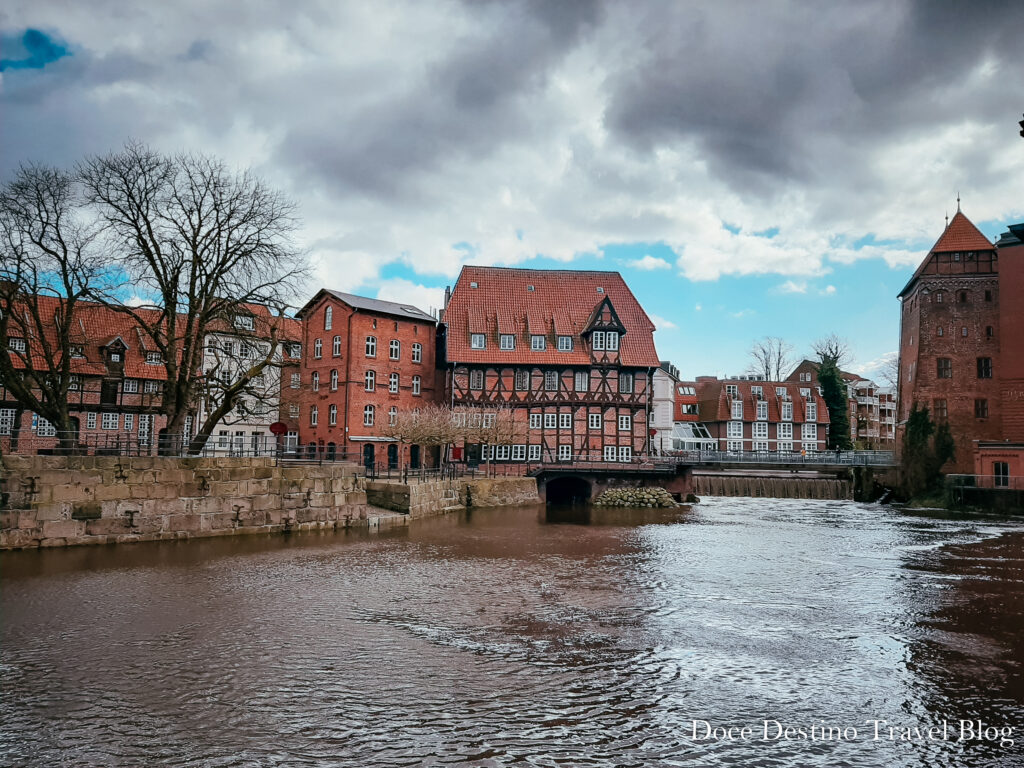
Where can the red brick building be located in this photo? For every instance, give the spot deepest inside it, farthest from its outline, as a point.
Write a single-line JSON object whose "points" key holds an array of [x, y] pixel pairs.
{"points": [[116, 391], [363, 362], [777, 416], [950, 335], [571, 352]]}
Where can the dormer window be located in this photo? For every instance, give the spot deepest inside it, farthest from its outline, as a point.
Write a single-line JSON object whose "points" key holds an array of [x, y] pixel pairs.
{"points": [[611, 341], [732, 390], [477, 341], [244, 322], [538, 343], [565, 343], [757, 392], [77, 350], [154, 358], [507, 341], [18, 345], [115, 357], [597, 341]]}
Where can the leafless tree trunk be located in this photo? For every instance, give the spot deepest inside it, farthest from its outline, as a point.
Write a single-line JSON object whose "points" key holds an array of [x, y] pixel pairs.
{"points": [[833, 348], [771, 358], [890, 370], [48, 264], [200, 244]]}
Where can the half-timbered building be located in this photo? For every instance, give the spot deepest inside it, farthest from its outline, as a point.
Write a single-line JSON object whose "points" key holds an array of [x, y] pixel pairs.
{"points": [[571, 352]]}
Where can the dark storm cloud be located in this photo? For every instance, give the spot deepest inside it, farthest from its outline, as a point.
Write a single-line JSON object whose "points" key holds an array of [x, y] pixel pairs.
{"points": [[757, 86]]}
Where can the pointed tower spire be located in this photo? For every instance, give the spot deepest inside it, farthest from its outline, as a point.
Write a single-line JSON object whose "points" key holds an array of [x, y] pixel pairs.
{"points": [[947, 220], [958, 201]]}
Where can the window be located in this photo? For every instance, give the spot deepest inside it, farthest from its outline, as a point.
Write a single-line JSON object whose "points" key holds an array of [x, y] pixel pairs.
{"points": [[477, 341], [318, 349], [415, 385], [244, 322], [981, 408], [610, 453], [522, 380], [392, 415], [507, 341], [75, 383], [149, 386], [940, 331], [961, 297], [371, 346], [938, 299], [7, 421], [784, 446], [1001, 473], [737, 409], [805, 392], [336, 346], [963, 331], [941, 409], [594, 421], [294, 350], [334, 379], [625, 383], [296, 380], [90, 421], [988, 295], [597, 341], [244, 351], [762, 410], [565, 343], [784, 432], [155, 358], [538, 343], [760, 445], [115, 357], [787, 411], [551, 381], [582, 381], [109, 421], [809, 432], [984, 367], [518, 453], [293, 411], [625, 423], [332, 415], [129, 422], [781, 392], [734, 429], [565, 453], [535, 421], [315, 379], [393, 383], [760, 430], [77, 350], [989, 332], [565, 421], [369, 379], [534, 453], [241, 408], [476, 379], [757, 392], [812, 411], [395, 349], [131, 385], [368, 416], [314, 416], [417, 353], [625, 453], [611, 340], [805, 377], [944, 368], [731, 390], [550, 420], [328, 318]]}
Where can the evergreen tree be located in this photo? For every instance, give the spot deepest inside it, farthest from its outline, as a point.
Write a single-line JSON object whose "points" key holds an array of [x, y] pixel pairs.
{"points": [[926, 448], [833, 390]]}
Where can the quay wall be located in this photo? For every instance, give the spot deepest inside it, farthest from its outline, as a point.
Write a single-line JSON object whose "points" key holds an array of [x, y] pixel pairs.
{"points": [[434, 497], [53, 501]]}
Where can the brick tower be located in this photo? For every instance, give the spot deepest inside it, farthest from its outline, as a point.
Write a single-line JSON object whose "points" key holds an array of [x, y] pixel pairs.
{"points": [[949, 338]]}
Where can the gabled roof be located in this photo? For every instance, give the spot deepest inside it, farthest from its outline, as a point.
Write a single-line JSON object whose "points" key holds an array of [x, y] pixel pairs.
{"points": [[714, 403], [379, 306], [960, 235], [552, 302]]}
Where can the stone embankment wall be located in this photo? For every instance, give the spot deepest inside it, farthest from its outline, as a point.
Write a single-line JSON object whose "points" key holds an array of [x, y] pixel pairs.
{"points": [[48, 501], [436, 497], [772, 487]]}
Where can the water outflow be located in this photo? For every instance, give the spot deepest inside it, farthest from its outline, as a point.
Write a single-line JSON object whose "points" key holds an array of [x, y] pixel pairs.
{"points": [[508, 636]]}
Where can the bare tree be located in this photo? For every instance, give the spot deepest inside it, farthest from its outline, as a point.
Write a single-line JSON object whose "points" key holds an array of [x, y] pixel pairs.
{"points": [[771, 358], [832, 348], [48, 265], [200, 243], [890, 370]]}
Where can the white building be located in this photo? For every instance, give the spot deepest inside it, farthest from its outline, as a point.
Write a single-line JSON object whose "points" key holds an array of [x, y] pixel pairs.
{"points": [[663, 399]]}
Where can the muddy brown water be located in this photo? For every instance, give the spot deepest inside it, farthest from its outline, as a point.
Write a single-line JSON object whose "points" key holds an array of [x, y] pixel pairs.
{"points": [[523, 636]]}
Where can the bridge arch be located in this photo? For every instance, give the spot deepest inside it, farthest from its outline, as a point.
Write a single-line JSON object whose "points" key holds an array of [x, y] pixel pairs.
{"points": [[567, 489]]}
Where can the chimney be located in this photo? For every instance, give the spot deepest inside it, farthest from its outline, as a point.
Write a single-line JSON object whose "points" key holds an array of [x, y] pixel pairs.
{"points": [[447, 296]]}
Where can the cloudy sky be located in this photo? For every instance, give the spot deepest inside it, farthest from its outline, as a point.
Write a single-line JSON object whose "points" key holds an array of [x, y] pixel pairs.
{"points": [[751, 168]]}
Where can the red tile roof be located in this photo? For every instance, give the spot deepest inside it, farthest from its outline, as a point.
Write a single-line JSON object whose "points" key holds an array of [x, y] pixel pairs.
{"points": [[715, 403], [960, 235], [560, 303]]}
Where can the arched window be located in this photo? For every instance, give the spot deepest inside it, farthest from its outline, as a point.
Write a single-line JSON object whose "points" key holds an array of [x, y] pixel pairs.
{"points": [[371, 381], [393, 383], [316, 381], [395, 349], [368, 416], [334, 379], [371, 346], [328, 318], [313, 416]]}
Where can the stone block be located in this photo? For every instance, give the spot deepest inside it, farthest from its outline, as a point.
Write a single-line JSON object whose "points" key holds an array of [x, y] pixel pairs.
{"points": [[107, 526], [190, 523], [52, 511], [59, 529], [71, 492], [147, 525], [18, 539], [9, 519], [28, 520], [90, 510], [218, 521], [127, 538], [53, 543], [112, 492]]}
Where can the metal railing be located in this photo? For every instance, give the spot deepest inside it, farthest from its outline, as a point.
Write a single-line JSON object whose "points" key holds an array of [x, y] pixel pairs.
{"points": [[994, 482], [812, 458]]}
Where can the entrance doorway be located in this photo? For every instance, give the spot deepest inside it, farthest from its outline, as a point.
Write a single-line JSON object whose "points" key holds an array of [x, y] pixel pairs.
{"points": [[414, 457], [392, 456], [368, 455]]}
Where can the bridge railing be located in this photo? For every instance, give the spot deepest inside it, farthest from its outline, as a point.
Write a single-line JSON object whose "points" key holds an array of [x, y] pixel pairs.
{"points": [[813, 458]]}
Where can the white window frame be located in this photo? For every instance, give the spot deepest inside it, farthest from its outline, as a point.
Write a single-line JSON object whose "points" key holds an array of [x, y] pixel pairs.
{"points": [[7, 420], [318, 349], [296, 380], [594, 421], [416, 385], [314, 415], [154, 358], [314, 380], [565, 452], [392, 416], [518, 453], [534, 454], [809, 433], [476, 379], [611, 341], [370, 346], [597, 341], [812, 412], [507, 341], [550, 421], [784, 446], [625, 423], [328, 318], [417, 352], [760, 430], [131, 386], [522, 380], [336, 346], [626, 382], [478, 341], [332, 415], [535, 421], [610, 453], [369, 415], [551, 381], [787, 411], [737, 409], [582, 381], [538, 343], [625, 454], [565, 343], [395, 350], [334, 380], [762, 410], [393, 383], [90, 420], [734, 430], [784, 431], [565, 421], [109, 421], [369, 381], [129, 422]]}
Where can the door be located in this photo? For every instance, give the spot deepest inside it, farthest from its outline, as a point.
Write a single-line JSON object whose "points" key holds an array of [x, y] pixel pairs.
{"points": [[392, 456], [473, 454], [414, 457], [368, 455]]}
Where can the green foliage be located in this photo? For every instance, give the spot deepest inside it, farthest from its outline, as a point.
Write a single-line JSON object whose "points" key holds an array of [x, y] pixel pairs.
{"points": [[833, 390], [926, 448]]}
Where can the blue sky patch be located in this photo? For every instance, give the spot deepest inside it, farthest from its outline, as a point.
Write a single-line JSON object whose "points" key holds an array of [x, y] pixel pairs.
{"points": [[36, 49]]}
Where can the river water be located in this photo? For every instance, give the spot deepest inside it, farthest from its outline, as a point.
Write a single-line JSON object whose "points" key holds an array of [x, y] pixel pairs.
{"points": [[520, 637]]}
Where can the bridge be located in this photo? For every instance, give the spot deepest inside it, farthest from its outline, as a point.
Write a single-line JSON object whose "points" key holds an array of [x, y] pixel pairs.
{"points": [[577, 480]]}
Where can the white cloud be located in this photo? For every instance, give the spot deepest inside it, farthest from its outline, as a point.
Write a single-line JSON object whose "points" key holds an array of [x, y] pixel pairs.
{"points": [[743, 313], [698, 308], [792, 286], [828, 290], [406, 292], [649, 263], [661, 323]]}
